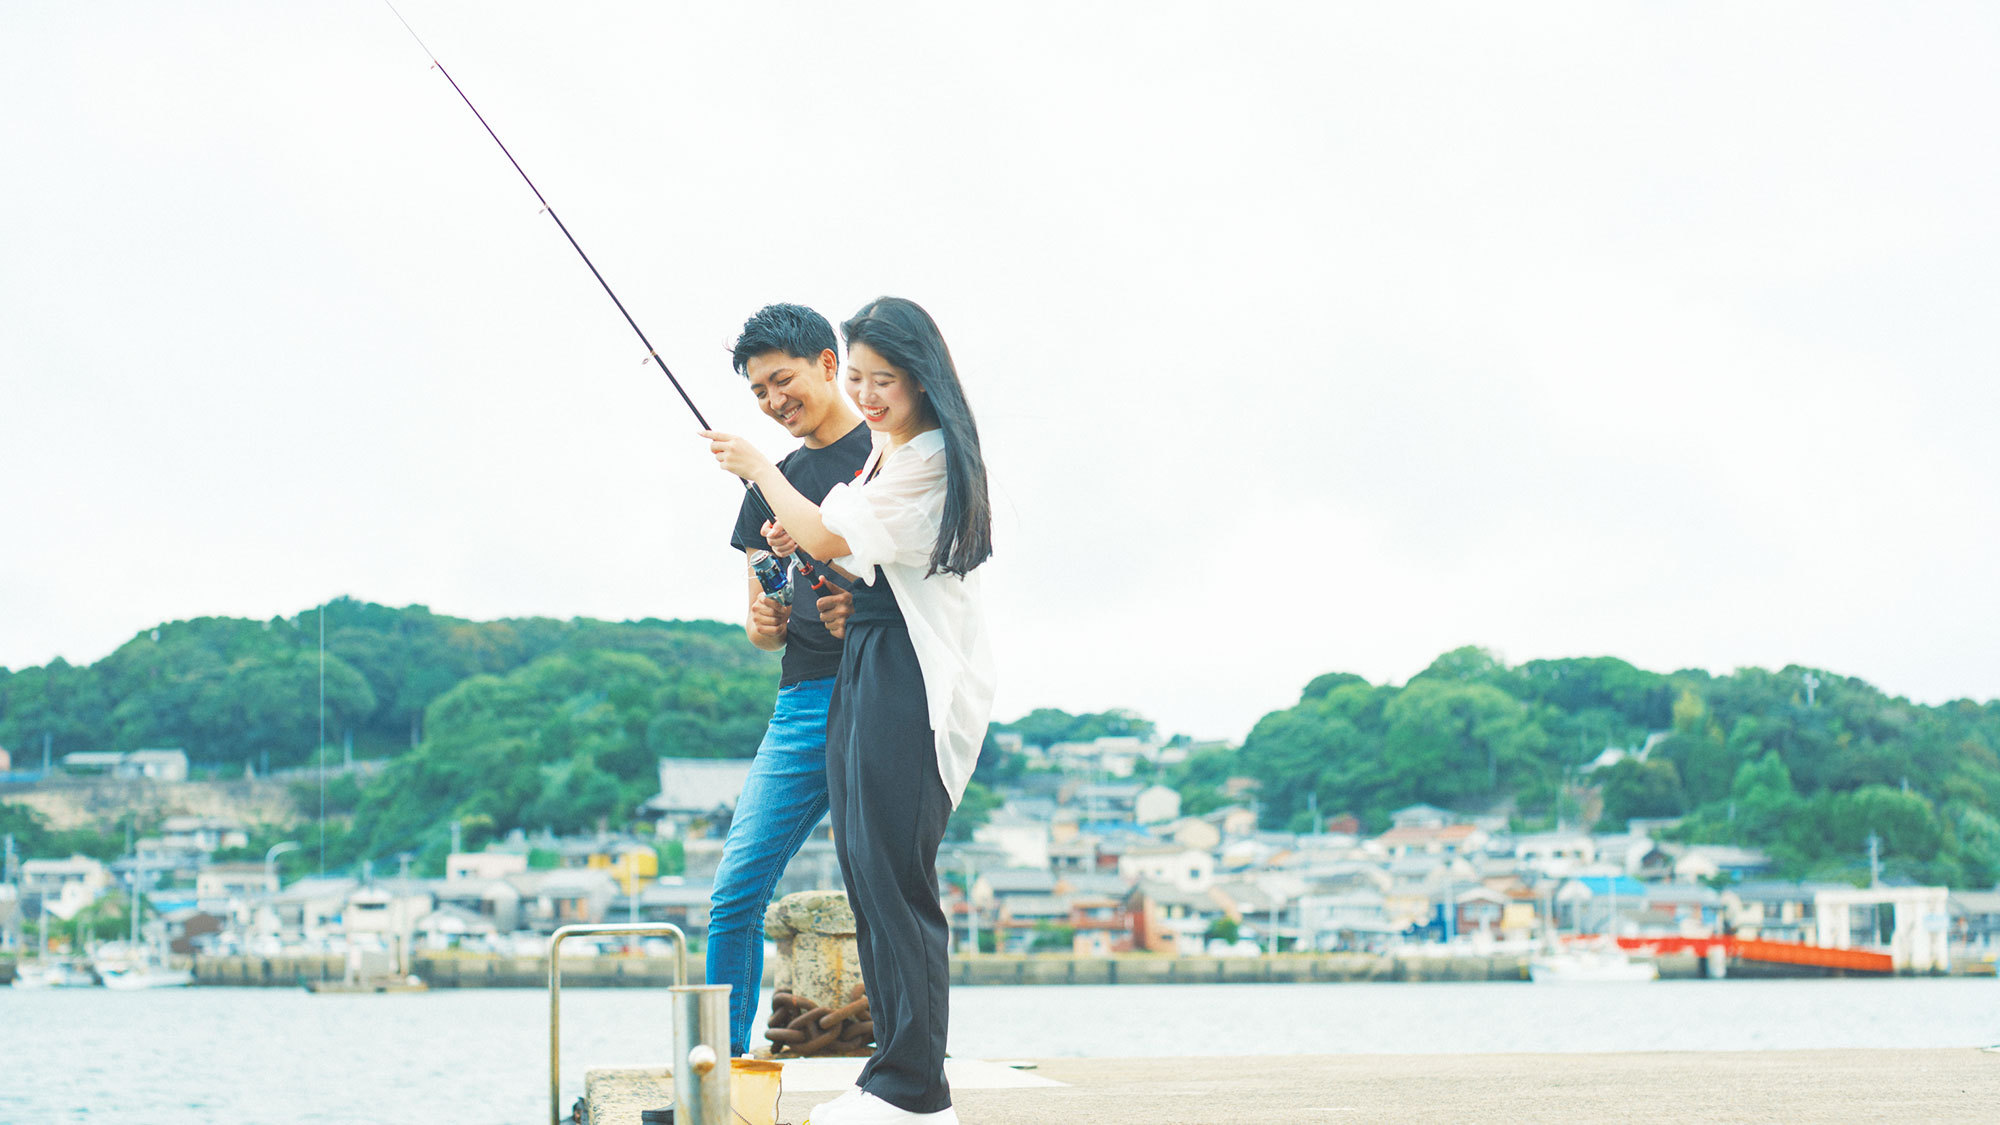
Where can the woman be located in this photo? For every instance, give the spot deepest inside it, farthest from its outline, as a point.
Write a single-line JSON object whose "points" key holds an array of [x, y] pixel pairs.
{"points": [[915, 686]]}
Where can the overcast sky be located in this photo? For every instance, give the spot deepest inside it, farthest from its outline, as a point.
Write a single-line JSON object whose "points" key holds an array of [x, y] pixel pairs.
{"points": [[1302, 337]]}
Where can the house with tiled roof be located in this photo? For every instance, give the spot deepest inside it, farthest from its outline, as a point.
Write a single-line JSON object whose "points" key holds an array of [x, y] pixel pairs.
{"points": [[1448, 839]]}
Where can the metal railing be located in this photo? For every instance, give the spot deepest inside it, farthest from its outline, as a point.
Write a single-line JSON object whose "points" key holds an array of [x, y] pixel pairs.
{"points": [[640, 929]]}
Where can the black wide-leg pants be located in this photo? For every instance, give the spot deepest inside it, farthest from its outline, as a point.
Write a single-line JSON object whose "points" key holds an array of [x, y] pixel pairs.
{"points": [[889, 813]]}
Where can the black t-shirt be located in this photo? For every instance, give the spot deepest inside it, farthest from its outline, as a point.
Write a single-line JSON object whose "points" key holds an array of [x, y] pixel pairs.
{"points": [[811, 653]]}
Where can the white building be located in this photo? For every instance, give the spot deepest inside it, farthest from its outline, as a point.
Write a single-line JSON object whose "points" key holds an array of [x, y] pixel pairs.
{"points": [[1184, 868], [557, 898], [65, 886], [1112, 755], [1356, 919], [153, 765], [696, 791], [387, 909], [203, 833], [1024, 839], [1156, 804], [233, 889], [484, 865], [1556, 854]]}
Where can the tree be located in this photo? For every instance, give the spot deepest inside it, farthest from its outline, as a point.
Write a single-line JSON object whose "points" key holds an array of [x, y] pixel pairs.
{"points": [[1696, 749], [1322, 686], [1199, 780], [563, 742], [974, 809], [1446, 742], [1632, 788], [1046, 726]]}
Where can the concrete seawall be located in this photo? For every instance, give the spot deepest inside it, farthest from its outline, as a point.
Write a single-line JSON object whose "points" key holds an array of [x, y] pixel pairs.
{"points": [[471, 970], [486, 970]]}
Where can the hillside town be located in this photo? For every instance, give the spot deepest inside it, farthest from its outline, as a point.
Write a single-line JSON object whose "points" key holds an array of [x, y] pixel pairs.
{"points": [[1078, 858]]}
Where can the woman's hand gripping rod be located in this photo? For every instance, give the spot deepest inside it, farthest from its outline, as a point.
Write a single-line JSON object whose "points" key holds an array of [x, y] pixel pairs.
{"points": [[772, 567], [807, 565]]}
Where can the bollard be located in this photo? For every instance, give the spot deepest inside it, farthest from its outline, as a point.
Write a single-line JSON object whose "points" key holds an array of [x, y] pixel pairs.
{"points": [[701, 1054]]}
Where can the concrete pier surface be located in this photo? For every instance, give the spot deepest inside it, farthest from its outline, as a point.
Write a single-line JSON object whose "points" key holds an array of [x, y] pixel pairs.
{"points": [[1950, 1085]]}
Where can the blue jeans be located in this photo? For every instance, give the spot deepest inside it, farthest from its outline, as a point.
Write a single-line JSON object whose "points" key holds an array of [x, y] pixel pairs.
{"points": [[782, 800]]}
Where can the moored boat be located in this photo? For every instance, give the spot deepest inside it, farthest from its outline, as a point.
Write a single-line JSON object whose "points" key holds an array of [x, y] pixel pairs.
{"points": [[1590, 965], [143, 974], [55, 973]]}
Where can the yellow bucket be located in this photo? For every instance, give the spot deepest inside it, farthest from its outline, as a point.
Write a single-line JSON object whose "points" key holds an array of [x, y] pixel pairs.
{"points": [[754, 1085]]}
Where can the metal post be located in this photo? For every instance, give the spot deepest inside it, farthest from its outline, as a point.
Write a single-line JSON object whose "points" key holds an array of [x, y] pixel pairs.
{"points": [[701, 1071], [661, 929]]}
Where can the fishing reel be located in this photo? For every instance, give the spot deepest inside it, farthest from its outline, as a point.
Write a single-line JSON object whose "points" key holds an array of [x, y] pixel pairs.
{"points": [[774, 574]]}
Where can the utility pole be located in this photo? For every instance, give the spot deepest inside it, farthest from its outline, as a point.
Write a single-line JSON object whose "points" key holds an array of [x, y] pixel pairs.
{"points": [[322, 739], [630, 862], [7, 876], [1874, 860], [971, 908]]}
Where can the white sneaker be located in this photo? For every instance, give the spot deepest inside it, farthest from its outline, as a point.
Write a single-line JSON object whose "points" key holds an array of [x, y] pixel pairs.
{"points": [[828, 1113], [871, 1110]]}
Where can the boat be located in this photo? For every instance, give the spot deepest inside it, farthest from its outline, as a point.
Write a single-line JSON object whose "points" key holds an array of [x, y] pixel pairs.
{"points": [[145, 974], [129, 967], [1591, 960], [52, 973], [1590, 965]]}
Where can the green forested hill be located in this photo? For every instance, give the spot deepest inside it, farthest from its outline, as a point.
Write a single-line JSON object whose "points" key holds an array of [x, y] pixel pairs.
{"points": [[530, 723], [536, 723], [1804, 763], [232, 691]]}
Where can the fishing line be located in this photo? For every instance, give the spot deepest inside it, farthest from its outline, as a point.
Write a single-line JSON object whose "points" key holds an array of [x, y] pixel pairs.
{"points": [[806, 561]]}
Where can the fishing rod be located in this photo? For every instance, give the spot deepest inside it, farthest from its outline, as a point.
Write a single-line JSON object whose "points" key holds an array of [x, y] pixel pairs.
{"points": [[772, 578]]}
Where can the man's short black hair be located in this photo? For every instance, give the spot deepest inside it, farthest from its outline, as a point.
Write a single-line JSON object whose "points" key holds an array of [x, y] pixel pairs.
{"points": [[795, 330]]}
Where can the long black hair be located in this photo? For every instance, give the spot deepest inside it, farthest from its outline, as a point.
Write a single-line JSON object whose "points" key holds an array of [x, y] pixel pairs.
{"points": [[901, 332]]}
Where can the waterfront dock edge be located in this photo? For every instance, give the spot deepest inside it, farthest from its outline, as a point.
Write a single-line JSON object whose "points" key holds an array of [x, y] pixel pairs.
{"points": [[1934, 1085]]}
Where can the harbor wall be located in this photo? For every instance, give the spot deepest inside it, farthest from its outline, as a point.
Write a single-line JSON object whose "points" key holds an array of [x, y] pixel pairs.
{"points": [[475, 970], [485, 970]]}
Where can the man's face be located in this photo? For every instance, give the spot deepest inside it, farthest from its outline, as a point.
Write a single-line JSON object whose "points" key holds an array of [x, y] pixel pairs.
{"points": [[797, 393]]}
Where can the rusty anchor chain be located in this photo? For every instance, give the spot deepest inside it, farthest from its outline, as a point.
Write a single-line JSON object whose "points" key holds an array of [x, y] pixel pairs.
{"points": [[799, 1027]]}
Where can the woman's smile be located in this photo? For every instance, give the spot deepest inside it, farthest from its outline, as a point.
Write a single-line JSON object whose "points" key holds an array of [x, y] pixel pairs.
{"points": [[890, 401]]}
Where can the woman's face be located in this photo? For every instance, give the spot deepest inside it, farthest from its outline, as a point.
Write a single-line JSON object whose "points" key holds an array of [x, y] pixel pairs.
{"points": [[890, 401]]}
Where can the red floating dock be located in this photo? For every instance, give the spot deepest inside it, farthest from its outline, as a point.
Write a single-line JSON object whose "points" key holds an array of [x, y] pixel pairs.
{"points": [[1770, 952]]}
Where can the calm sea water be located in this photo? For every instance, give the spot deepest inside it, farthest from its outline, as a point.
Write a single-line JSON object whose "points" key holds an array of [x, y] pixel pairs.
{"points": [[223, 1055]]}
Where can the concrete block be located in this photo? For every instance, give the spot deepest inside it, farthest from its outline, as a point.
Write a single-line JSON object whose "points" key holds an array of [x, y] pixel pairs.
{"points": [[817, 956], [617, 1095]]}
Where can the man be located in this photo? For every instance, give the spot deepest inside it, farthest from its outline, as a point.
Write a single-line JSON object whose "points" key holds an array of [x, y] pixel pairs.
{"points": [[787, 353]]}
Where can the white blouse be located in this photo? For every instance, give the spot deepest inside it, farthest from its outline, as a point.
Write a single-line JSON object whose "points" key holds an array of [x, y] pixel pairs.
{"points": [[892, 521]]}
